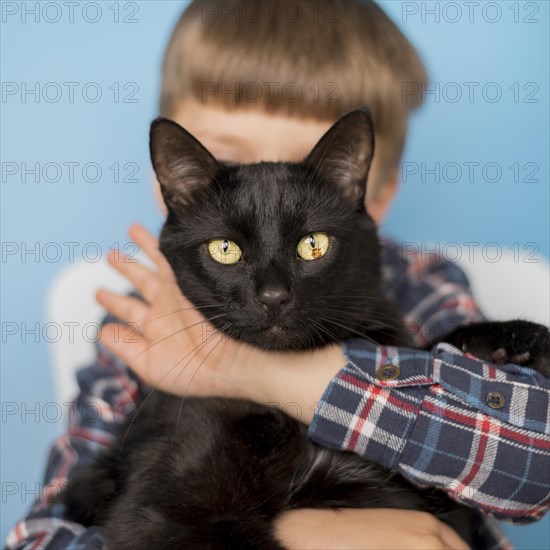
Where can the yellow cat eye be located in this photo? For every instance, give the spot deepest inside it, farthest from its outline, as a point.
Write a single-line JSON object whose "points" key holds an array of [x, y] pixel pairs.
{"points": [[313, 246], [224, 251]]}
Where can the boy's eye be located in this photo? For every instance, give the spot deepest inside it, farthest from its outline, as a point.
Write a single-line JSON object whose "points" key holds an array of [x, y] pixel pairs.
{"points": [[313, 246], [224, 251]]}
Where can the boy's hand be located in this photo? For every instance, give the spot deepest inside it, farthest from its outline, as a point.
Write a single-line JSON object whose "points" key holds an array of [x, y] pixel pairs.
{"points": [[165, 340], [362, 529]]}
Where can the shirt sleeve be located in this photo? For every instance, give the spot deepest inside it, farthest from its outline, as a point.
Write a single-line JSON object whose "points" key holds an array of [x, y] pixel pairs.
{"points": [[108, 393], [447, 420]]}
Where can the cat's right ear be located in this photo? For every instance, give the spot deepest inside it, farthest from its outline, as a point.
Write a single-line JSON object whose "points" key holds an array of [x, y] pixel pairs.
{"points": [[344, 154], [182, 164]]}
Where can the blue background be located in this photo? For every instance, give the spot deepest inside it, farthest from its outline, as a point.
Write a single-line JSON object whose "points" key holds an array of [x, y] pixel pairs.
{"points": [[506, 47]]}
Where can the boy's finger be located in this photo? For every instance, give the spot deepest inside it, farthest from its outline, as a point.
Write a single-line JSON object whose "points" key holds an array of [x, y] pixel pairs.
{"points": [[125, 308], [148, 243], [143, 279]]}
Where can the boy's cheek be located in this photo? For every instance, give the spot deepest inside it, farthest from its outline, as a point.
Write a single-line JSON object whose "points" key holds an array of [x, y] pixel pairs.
{"points": [[380, 194]]}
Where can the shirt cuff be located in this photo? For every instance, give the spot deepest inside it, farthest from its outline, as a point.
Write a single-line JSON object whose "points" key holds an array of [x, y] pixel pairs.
{"points": [[371, 405]]}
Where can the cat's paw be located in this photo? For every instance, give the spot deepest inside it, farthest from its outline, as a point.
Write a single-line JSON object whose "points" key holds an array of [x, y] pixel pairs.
{"points": [[520, 342]]}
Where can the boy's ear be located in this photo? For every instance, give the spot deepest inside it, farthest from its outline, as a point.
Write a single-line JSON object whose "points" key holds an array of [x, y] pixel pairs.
{"points": [[182, 164], [344, 154]]}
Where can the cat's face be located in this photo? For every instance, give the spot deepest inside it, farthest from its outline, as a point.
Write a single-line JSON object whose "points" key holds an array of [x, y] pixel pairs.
{"points": [[279, 255]]}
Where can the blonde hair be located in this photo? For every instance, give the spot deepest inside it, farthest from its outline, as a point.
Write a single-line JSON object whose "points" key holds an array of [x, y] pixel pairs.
{"points": [[303, 58]]}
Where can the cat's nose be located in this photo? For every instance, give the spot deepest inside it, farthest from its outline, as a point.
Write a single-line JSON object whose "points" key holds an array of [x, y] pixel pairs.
{"points": [[273, 298]]}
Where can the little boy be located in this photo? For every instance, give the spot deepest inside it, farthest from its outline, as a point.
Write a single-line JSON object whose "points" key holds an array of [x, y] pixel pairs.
{"points": [[263, 81]]}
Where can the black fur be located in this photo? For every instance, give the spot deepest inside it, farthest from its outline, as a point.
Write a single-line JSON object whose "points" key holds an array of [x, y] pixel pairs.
{"points": [[214, 473]]}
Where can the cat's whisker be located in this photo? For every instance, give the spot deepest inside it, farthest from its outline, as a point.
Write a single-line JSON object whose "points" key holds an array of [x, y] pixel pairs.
{"points": [[365, 316], [373, 319], [178, 362], [319, 327], [350, 300], [193, 377], [346, 310], [375, 325], [219, 333], [377, 315], [151, 318], [307, 331], [361, 334], [177, 332], [360, 307]]}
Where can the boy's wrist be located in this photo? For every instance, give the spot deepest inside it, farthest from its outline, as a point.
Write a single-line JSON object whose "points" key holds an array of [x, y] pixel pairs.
{"points": [[292, 381]]}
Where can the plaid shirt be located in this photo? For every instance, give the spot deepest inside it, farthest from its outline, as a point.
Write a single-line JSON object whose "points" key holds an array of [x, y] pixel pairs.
{"points": [[432, 423]]}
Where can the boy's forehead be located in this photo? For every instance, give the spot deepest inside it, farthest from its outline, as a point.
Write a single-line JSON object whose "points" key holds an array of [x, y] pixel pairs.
{"points": [[250, 135]]}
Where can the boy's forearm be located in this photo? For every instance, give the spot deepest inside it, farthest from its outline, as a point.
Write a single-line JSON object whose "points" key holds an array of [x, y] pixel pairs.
{"points": [[292, 381]]}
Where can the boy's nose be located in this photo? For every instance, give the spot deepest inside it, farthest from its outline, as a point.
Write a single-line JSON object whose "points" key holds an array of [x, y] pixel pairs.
{"points": [[273, 297]]}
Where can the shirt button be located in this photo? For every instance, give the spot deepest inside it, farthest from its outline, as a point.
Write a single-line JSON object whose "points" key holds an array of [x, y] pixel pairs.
{"points": [[388, 372], [495, 400]]}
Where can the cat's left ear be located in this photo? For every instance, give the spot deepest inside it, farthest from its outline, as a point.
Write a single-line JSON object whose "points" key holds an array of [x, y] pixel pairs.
{"points": [[182, 164], [344, 154]]}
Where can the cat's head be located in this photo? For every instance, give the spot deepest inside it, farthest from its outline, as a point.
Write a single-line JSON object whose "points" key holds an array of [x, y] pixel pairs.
{"points": [[279, 255]]}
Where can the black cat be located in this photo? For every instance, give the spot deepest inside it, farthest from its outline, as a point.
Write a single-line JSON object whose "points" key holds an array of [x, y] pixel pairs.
{"points": [[280, 247]]}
